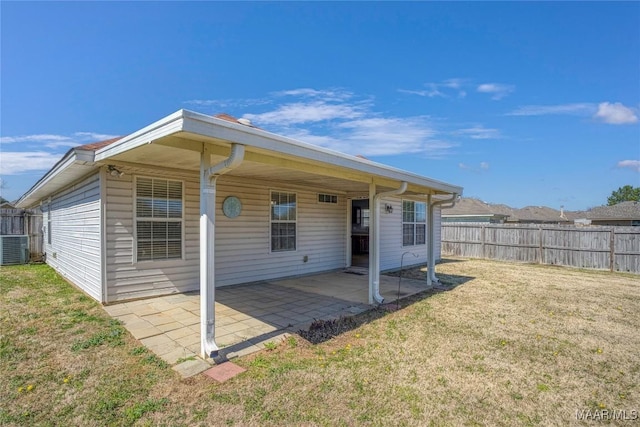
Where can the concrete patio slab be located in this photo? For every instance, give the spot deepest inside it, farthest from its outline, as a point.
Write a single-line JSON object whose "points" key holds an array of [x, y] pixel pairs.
{"points": [[251, 315]]}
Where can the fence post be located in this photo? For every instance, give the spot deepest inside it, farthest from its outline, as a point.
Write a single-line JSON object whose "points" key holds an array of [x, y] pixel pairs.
{"points": [[612, 246], [540, 247], [482, 234]]}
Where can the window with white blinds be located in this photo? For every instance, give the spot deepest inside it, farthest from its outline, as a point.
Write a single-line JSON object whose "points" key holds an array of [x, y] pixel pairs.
{"points": [[414, 216], [159, 218]]}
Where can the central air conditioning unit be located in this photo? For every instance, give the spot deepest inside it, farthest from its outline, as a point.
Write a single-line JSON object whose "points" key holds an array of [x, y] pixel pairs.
{"points": [[14, 250]]}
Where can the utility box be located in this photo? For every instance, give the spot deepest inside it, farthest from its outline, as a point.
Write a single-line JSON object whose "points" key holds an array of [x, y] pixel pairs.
{"points": [[14, 250]]}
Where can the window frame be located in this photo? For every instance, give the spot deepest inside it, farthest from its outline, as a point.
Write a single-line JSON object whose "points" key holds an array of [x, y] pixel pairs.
{"points": [[329, 199], [137, 219], [49, 231], [288, 221], [415, 223]]}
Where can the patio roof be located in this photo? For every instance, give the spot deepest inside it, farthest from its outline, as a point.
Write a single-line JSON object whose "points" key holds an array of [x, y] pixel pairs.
{"points": [[176, 141]]}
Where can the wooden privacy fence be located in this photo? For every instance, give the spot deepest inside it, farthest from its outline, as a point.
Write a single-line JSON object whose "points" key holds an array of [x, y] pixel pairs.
{"points": [[606, 248], [25, 223]]}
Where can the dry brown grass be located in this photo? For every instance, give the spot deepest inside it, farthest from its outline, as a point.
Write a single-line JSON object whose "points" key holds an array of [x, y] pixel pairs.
{"points": [[510, 345]]}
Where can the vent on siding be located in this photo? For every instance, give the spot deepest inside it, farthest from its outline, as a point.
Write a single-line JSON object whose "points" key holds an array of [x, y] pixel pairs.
{"points": [[14, 250], [327, 198]]}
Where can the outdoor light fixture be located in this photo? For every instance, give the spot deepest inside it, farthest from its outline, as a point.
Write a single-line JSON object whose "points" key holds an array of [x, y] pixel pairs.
{"points": [[388, 208], [114, 171]]}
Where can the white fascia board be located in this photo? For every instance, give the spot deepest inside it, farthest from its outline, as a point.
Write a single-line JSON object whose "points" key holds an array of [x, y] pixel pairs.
{"points": [[74, 158], [163, 127], [222, 129], [26, 201]]}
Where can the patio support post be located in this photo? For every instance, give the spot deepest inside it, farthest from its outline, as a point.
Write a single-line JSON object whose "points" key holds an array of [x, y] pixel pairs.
{"points": [[431, 250], [208, 177], [208, 347], [374, 239], [373, 249], [431, 241]]}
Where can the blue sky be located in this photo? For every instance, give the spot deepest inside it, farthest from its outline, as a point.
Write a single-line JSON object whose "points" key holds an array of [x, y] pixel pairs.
{"points": [[519, 103]]}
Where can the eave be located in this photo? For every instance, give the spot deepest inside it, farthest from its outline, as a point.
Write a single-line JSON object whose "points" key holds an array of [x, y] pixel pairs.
{"points": [[75, 164]]}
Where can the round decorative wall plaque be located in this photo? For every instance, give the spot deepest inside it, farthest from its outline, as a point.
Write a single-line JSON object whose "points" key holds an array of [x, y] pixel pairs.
{"points": [[231, 207]]}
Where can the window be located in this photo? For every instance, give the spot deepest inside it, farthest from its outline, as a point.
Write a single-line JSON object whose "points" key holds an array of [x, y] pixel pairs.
{"points": [[414, 215], [49, 223], [283, 221], [159, 216], [327, 198]]}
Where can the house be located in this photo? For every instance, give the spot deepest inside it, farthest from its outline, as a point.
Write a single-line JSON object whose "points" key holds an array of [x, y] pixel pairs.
{"points": [[621, 214], [539, 215], [477, 211], [473, 210], [192, 202]]}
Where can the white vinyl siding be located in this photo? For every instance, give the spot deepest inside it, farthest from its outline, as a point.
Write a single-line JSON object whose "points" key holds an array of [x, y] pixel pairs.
{"points": [[243, 246], [127, 278], [158, 219], [391, 238], [73, 227]]}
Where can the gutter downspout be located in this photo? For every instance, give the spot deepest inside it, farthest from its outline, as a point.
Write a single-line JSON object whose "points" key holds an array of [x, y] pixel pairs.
{"points": [[208, 176], [374, 250], [431, 258]]}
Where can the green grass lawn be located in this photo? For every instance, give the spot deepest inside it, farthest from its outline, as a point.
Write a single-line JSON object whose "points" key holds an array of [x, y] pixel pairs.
{"points": [[511, 345]]}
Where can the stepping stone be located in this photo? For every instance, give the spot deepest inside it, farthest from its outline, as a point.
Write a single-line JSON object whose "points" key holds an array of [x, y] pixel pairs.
{"points": [[190, 368], [224, 371]]}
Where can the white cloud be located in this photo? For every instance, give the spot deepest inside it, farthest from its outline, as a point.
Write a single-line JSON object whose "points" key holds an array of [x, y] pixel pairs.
{"points": [[226, 103], [388, 136], [14, 162], [35, 158], [479, 132], [377, 136], [325, 95], [301, 112], [582, 108], [606, 112], [615, 114], [457, 87], [454, 83], [445, 89], [631, 164], [498, 90], [94, 137], [484, 166], [56, 141], [339, 120], [431, 91], [34, 138]]}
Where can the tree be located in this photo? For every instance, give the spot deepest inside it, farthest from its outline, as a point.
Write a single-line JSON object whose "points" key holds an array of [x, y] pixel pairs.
{"points": [[627, 193]]}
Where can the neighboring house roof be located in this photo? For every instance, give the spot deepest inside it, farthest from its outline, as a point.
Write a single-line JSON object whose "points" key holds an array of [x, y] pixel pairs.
{"points": [[540, 214], [177, 140], [621, 211], [470, 207]]}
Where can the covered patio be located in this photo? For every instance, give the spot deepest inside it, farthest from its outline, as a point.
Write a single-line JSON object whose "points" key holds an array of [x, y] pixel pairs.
{"points": [[238, 164], [250, 315]]}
